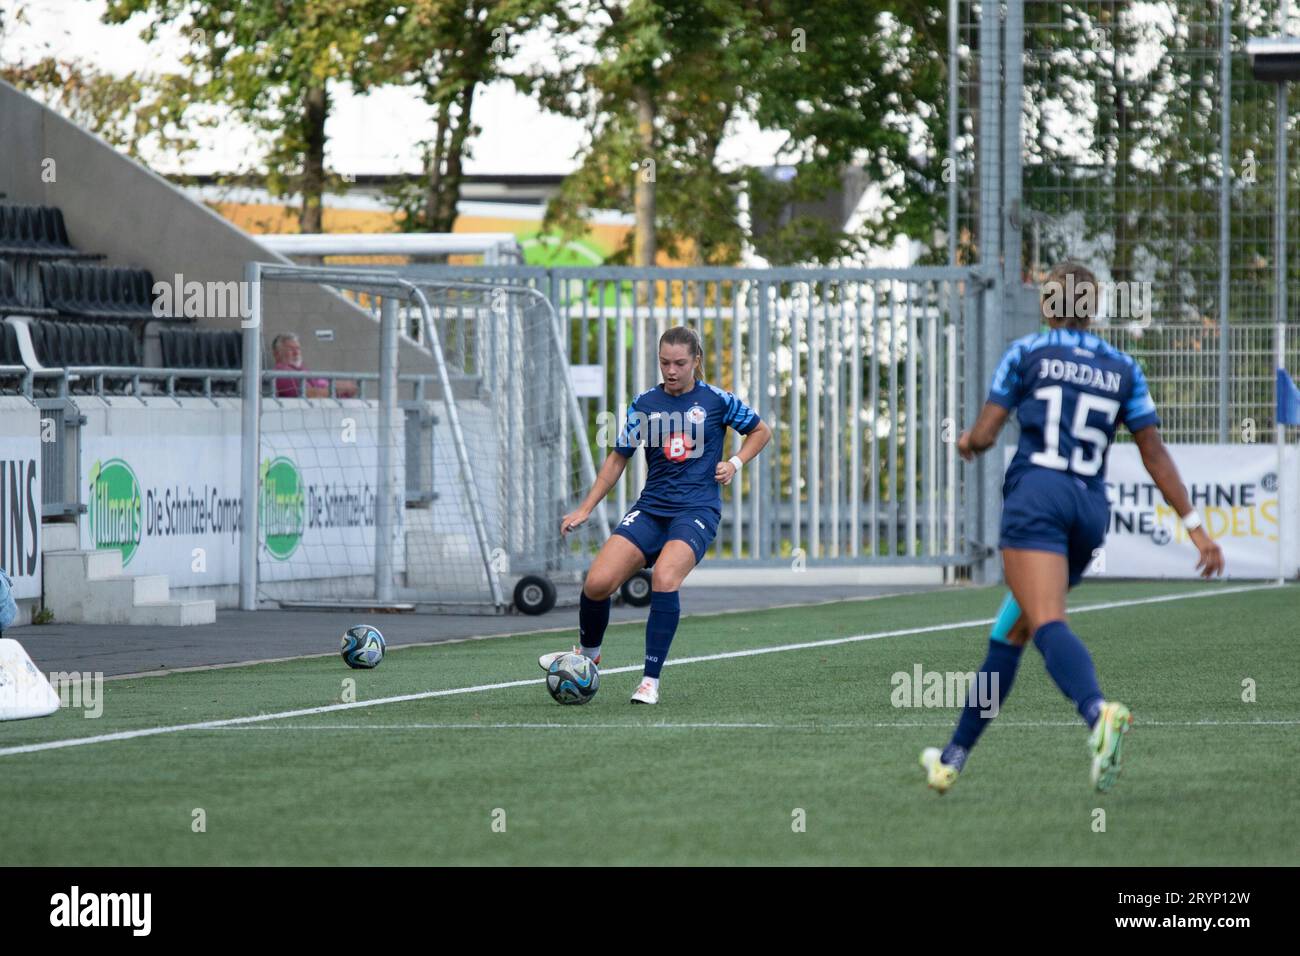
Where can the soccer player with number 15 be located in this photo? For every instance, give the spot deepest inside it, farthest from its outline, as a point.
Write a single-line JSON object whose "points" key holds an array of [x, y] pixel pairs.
{"points": [[1070, 391]]}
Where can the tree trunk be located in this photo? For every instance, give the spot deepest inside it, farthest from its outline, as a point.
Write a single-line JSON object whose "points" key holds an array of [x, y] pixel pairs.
{"points": [[315, 110], [445, 209], [644, 254], [433, 181]]}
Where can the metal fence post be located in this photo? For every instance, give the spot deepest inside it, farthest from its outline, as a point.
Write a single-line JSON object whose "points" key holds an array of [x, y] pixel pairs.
{"points": [[387, 446], [250, 456], [988, 467], [1280, 275], [1225, 225]]}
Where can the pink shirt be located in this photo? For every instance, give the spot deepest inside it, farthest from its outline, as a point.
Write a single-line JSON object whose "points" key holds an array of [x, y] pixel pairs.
{"points": [[295, 387]]}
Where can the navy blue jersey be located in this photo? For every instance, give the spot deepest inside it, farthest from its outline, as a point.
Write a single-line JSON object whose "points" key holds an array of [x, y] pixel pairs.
{"points": [[683, 439], [1070, 391]]}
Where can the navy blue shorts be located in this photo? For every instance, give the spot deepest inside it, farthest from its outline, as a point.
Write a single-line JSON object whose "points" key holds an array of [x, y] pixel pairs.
{"points": [[697, 527], [1055, 511]]}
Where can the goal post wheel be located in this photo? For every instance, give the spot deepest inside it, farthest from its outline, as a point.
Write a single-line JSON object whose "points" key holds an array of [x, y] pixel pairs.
{"points": [[636, 589], [534, 594]]}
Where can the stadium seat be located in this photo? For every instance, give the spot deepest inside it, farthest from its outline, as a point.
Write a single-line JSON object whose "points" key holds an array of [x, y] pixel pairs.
{"points": [[37, 231], [98, 292], [17, 297], [64, 344], [9, 355], [202, 349]]}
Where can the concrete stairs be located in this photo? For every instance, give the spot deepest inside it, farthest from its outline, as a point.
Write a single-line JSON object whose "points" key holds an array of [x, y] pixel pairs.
{"points": [[88, 587]]}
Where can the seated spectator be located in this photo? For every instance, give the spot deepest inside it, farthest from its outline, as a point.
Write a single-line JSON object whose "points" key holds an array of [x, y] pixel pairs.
{"points": [[287, 351]]}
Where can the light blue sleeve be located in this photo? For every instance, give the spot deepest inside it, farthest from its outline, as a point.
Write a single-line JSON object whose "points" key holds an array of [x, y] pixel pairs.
{"points": [[629, 438], [1140, 408], [1008, 384], [739, 415]]}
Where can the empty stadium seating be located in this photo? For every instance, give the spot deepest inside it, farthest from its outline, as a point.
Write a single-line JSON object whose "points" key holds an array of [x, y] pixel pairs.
{"points": [[35, 231], [16, 296], [61, 344], [97, 292], [91, 315], [201, 348], [9, 354]]}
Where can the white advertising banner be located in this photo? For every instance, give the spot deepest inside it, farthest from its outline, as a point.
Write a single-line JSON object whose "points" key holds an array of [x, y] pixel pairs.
{"points": [[20, 495], [164, 488], [169, 503], [1234, 487]]}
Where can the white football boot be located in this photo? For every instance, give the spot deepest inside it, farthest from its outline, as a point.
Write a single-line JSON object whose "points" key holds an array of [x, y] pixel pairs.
{"points": [[647, 693], [546, 660]]}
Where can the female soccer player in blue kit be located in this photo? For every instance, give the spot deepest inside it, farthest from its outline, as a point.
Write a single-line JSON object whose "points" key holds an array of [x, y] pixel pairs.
{"points": [[1070, 391], [682, 422]]}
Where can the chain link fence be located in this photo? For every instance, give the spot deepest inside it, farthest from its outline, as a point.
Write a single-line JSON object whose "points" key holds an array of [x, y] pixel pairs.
{"points": [[1146, 150]]}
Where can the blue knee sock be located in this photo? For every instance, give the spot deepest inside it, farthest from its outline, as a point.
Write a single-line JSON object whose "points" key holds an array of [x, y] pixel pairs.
{"points": [[593, 618], [994, 683], [1070, 665], [665, 610]]}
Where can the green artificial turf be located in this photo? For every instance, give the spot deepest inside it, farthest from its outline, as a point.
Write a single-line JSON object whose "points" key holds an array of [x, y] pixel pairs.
{"points": [[793, 757]]}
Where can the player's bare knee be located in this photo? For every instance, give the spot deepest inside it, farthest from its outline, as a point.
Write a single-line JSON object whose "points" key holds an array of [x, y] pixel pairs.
{"points": [[1033, 625], [664, 580], [598, 588]]}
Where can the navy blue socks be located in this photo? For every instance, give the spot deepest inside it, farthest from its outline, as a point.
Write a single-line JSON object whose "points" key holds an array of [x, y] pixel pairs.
{"points": [[593, 618], [665, 610], [1070, 666], [992, 685]]}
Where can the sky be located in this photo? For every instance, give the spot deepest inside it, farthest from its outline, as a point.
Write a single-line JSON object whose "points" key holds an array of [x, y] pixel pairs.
{"points": [[376, 133]]}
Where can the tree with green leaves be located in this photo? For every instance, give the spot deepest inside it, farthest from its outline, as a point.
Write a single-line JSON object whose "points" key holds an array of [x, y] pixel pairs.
{"points": [[272, 63], [660, 84], [139, 113], [447, 50]]}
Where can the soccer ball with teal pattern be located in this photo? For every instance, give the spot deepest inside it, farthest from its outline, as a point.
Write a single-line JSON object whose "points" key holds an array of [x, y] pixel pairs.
{"points": [[363, 647], [573, 679]]}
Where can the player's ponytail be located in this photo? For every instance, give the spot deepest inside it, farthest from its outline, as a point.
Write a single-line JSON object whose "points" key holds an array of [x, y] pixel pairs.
{"points": [[685, 335]]}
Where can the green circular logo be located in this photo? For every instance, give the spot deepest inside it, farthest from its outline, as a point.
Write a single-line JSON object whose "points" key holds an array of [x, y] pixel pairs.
{"points": [[116, 511], [283, 509]]}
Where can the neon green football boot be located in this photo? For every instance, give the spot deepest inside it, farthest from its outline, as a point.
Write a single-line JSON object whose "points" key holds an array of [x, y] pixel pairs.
{"points": [[939, 776], [1106, 740]]}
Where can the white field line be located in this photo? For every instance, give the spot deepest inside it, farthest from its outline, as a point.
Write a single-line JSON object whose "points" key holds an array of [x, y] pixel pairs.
{"points": [[861, 725], [168, 671], [480, 688]]}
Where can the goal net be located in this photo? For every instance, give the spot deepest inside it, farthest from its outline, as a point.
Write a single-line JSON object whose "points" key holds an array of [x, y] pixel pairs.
{"points": [[415, 443]]}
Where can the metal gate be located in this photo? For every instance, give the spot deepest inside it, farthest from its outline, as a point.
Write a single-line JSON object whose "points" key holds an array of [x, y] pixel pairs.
{"points": [[861, 374]]}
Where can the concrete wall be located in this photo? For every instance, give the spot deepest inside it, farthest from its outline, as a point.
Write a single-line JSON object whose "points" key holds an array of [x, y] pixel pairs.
{"points": [[115, 206]]}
